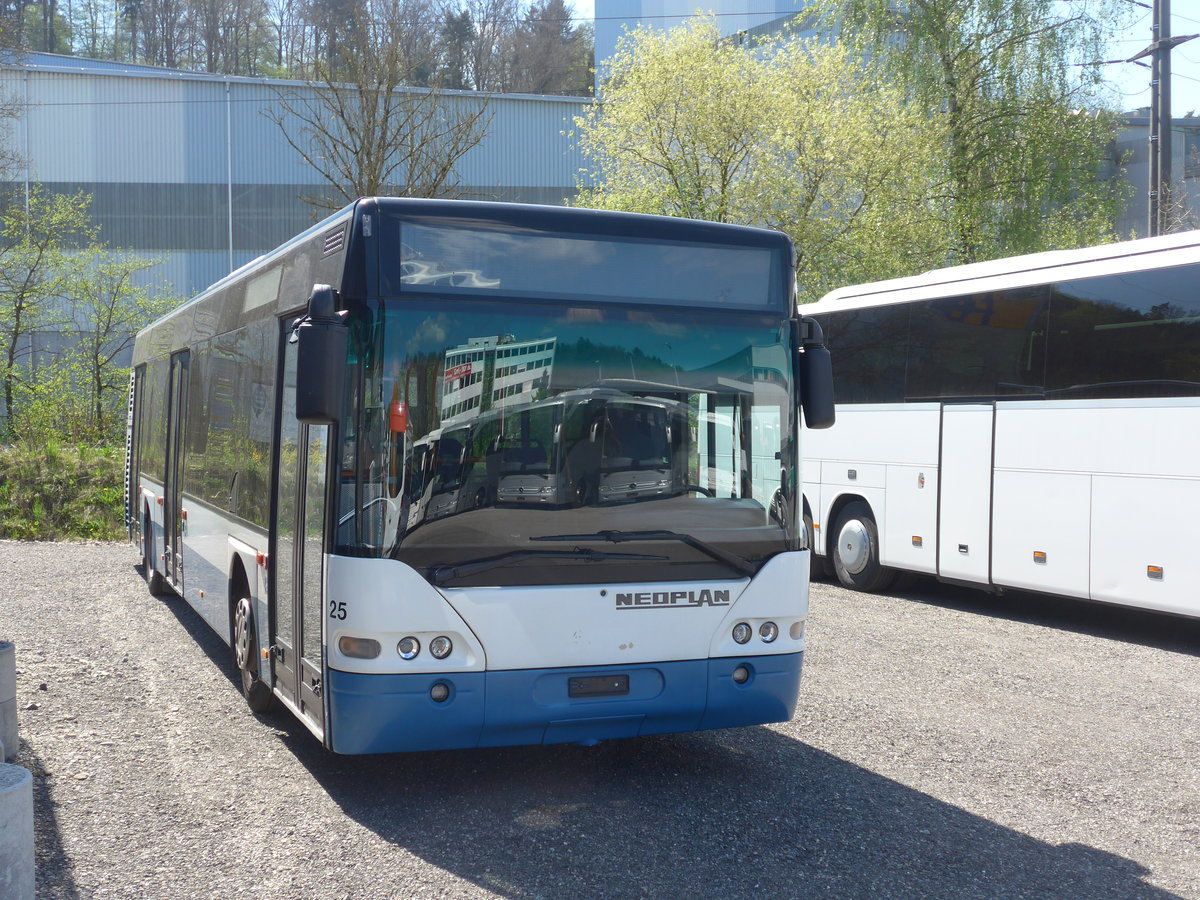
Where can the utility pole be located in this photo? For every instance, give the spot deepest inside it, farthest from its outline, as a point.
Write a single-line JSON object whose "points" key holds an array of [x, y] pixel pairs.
{"points": [[1159, 51], [1160, 119]]}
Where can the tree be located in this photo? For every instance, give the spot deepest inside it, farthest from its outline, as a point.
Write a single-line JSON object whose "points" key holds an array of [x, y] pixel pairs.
{"points": [[1022, 169], [456, 40], [549, 55], [88, 300], [109, 306], [490, 60], [34, 276], [805, 139], [366, 133]]}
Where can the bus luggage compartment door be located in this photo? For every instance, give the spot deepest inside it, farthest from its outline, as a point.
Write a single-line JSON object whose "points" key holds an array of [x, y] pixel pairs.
{"points": [[965, 498]]}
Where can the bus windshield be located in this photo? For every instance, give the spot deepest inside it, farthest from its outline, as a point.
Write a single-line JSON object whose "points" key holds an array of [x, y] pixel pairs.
{"points": [[495, 441]]}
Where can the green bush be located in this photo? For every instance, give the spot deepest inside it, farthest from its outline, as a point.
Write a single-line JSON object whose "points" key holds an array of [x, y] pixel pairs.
{"points": [[50, 493]]}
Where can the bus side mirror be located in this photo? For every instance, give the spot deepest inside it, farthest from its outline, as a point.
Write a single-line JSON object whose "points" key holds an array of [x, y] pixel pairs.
{"points": [[322, 339], [816, 376]]}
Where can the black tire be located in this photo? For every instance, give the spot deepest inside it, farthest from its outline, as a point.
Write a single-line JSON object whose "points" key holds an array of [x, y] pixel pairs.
{"points": [[581, 492], [245, 656], [855, 545], [155, 583]]}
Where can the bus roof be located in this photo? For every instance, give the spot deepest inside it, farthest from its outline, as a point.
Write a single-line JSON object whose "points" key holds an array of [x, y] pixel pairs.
{"points": [[1019, 271]]}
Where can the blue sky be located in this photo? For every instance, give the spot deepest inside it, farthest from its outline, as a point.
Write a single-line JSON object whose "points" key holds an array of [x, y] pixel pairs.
{"points": [[1131, 82]]}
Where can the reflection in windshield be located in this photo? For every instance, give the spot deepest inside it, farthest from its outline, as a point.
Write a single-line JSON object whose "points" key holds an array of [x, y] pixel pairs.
{"points": [[470, 442]]}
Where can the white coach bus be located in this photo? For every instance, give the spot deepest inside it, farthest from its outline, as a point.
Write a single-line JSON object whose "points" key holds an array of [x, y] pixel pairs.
{"points": [[1025, 423]]}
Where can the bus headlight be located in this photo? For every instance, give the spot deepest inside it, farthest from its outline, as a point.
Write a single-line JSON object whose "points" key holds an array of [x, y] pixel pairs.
{"points": [[408, 647], [359, 648], [768, 631], [440, 647], [742, 632]]}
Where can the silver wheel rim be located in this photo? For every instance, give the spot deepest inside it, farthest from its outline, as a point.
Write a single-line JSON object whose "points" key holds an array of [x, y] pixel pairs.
{"points": [[854, 546], [242, 636]]}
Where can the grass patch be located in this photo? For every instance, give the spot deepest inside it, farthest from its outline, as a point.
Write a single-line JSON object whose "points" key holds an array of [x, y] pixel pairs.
{"points": [[55, 493]]}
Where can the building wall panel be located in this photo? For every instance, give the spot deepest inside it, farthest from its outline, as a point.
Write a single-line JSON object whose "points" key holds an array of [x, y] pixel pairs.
{"points": [[189, 168]]}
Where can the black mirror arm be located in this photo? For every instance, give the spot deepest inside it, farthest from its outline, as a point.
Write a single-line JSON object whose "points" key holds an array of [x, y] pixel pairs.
{"points": [[323, 307]]}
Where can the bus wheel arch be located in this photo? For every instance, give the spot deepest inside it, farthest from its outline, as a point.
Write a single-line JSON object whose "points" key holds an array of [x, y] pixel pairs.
{"points": [[854, 546], [244, 641]]}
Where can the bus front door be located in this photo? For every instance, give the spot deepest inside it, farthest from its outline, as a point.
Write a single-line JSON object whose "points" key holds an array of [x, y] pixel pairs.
{"points": [[174, 517], [965, 493], [298, 553]]}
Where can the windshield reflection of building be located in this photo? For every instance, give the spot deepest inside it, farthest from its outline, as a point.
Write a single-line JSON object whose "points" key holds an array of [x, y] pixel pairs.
{"points": [[492, 372], [509, 437], [456, 466]]}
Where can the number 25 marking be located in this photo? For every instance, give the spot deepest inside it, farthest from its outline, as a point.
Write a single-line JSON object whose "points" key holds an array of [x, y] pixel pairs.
{"points": [[337, 609]]}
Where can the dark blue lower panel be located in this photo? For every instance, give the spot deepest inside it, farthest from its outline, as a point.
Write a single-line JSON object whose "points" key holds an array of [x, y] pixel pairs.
{"points": [[391, 713]]}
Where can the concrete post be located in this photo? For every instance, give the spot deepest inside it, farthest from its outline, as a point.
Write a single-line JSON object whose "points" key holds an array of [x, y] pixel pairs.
{"points": [[8, 700], [16, 833]]}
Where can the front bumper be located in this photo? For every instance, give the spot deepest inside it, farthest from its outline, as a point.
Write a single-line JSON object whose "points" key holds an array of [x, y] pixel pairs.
{"points": [[393, 713]]}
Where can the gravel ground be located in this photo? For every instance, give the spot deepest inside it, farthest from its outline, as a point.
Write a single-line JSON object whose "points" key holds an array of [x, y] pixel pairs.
{"points": [[948, 744]]}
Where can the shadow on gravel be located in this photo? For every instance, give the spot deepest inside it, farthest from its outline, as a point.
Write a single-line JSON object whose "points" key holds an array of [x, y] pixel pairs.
{"points": [[739, 813], [742, 813], [1175, 634], [52, 866]]}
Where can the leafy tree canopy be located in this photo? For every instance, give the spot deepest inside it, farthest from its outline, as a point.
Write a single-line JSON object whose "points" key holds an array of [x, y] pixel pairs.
{"points": [[805, 138], [1026, 132]]}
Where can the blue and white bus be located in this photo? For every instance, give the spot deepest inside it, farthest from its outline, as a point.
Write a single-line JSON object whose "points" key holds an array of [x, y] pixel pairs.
{"points": [[317, 465]]}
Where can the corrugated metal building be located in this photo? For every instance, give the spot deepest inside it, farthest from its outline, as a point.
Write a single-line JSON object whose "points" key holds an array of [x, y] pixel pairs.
{"points": [[188, 167], [1133, 149]]}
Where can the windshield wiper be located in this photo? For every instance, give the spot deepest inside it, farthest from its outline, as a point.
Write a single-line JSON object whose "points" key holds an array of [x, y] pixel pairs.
{"points": [[439, 574], [735, 562]]}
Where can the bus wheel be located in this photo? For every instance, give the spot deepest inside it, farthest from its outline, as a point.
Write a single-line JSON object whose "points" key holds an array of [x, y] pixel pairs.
{"points": [[581, 492], [245, 656], [856, 551], [154, 580]]}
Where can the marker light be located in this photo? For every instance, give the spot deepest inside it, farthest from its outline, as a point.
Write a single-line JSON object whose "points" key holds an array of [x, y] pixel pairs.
{"points": [[359, 648], [440, 647], [768, 631], [742, 632], [440, 692], [408, 647], [741, 675]]}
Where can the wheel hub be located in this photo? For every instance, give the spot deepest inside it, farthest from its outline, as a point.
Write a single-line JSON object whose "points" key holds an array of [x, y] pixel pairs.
{"points": [[241, 636], [854, 546]]}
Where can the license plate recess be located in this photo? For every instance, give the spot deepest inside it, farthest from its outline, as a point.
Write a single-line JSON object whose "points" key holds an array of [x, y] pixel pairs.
{"points": [[597, 686]]}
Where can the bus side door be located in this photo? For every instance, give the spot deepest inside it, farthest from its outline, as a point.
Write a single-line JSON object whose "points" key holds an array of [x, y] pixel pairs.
{"points": [[298, 552], [173, 514], [965, 497]]}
